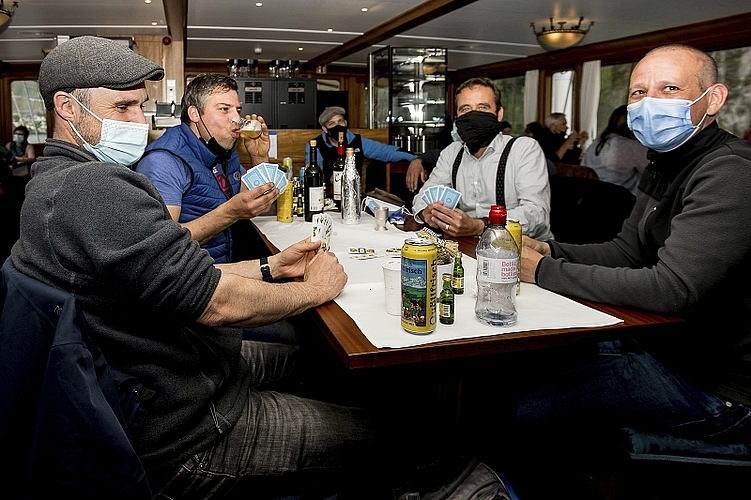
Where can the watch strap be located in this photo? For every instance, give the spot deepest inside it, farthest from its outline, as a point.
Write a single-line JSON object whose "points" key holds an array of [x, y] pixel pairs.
{"points": [[266, 270]]}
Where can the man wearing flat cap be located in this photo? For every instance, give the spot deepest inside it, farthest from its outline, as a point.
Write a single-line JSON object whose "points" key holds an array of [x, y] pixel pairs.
{"points": [[333, 122], [158, 306]]}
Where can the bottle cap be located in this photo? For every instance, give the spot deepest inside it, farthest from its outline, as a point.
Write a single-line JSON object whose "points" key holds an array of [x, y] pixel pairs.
{"points": [[313, 142], [497, 215], [447, 277], [458, 255]]}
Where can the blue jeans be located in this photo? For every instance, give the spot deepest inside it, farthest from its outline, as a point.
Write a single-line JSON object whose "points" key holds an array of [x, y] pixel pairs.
{"points": [[627, 387], [281, 440], [282, 332]]}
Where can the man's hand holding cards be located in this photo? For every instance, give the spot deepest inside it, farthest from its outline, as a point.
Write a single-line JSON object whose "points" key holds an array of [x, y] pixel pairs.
{"points": [[449, 197], [323, 226], [263, 173]]}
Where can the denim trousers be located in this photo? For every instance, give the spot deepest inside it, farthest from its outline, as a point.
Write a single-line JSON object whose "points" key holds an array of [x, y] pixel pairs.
{"points": [[626, 387], [282, 442]]}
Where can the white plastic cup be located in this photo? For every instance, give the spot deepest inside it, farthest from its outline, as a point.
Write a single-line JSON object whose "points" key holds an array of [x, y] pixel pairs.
{"points": [[392, 279]]}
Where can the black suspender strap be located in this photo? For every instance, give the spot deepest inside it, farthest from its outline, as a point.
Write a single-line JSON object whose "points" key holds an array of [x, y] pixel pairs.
{"points": [[500, 176]]}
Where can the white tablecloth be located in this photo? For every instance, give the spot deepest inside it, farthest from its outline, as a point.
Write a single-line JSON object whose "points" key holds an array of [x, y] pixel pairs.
{"points": [[363, 297]]}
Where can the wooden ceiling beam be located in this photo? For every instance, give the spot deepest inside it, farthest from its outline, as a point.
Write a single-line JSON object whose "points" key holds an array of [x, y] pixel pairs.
{"points": [[176, 14], [426, 11]]}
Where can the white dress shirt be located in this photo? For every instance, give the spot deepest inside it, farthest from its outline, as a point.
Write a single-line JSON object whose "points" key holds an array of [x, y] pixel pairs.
{"points": [[526, 184]]}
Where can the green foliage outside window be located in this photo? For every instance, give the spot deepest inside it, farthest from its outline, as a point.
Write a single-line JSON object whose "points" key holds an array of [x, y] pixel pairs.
{"points": [[28, 109]]}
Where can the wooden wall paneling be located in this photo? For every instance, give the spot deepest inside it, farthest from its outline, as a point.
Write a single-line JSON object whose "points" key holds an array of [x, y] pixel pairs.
{"points": [[291, 142]]}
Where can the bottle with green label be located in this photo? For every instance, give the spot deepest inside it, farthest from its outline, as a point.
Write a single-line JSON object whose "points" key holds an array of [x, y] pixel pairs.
{"points": [[458, 275], [446, 306]]}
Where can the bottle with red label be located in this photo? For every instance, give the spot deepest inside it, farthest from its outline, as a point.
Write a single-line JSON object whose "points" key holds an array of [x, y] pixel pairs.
{"points": [[497, 269]]}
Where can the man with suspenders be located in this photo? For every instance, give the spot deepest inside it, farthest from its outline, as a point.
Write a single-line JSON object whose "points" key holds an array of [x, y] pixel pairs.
{"points": [[487, 168]]}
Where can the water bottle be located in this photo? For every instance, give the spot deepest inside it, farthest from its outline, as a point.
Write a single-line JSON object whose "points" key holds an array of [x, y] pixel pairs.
{"points": [[497, 268]]}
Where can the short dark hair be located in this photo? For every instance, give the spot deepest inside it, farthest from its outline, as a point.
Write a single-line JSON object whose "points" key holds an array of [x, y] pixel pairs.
{"points": [[23, 130], [200, 88], [480, 81]]}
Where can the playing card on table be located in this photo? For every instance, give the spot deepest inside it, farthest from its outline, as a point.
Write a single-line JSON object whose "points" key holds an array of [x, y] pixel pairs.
{"points": [[323, 226]]}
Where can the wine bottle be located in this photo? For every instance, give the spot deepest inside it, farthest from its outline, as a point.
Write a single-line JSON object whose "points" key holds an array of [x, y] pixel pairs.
{"points": [[314, 187], [338, 171]]}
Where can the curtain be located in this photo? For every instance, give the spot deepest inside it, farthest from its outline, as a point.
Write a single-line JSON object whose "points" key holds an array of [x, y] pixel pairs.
{"points": [[531, 87], [589, 100]]}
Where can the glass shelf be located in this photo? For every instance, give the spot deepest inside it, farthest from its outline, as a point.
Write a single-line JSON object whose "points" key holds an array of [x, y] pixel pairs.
{"points": [[408, 94]]}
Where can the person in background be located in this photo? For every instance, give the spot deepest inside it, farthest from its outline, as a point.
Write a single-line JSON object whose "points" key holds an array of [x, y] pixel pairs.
{"points": [[333, 121], [162, 310], [534, 130], [558, 146], [684, 251], [22, 151], [506, 128], [526, 187], [617, 156]]}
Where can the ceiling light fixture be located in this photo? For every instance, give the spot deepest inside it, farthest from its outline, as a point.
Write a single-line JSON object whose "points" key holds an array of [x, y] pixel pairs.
{"points": [[6, 14], [561, 38]]}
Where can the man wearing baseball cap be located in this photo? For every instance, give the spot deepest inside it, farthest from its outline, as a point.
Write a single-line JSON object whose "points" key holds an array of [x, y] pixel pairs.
{"points": [[154, 301], [332, 122]]}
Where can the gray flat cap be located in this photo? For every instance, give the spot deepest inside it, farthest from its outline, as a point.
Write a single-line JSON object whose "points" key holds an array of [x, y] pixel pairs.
{"points": [[329, 113], [89, 62]]}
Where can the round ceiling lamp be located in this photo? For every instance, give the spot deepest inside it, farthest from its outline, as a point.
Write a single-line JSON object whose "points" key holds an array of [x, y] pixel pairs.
{"points": [[561, 38]]}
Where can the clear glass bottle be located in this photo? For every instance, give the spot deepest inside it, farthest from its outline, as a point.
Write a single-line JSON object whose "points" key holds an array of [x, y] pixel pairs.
{"points": [[338, 171], [458, 275], [351, 190], [315, 190], [446, 301], [497, 268]]}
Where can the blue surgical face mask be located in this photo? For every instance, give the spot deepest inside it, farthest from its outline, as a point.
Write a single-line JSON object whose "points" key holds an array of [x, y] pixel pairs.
{"points": [[120, 142], [18, 139], [663, 124]]}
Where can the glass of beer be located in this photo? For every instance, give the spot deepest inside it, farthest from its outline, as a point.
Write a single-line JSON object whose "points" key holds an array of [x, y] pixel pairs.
{"points": [[250, 128]]}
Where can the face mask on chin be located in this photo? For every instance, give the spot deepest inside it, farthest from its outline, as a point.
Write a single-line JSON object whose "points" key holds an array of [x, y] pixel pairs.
{"points": [[120, 142], [477, 129], [663, 124], [214, 146]]}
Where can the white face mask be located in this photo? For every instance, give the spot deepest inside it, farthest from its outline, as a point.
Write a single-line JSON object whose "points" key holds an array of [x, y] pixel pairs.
{"points": [[120, 142]]}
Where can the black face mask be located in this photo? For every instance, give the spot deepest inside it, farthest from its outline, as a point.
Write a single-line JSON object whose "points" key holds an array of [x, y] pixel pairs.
{"points": [[334, 132], [477, 129], [216, 148], [221, 153]]}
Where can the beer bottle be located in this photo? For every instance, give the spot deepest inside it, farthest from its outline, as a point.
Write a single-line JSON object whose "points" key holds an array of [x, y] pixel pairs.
{"points": [[446, 307], [458, 275], [338, 171], [314, 187]]}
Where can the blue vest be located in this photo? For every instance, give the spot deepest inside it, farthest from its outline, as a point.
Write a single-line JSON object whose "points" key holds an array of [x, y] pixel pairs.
{"points": [[204, 194]]}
